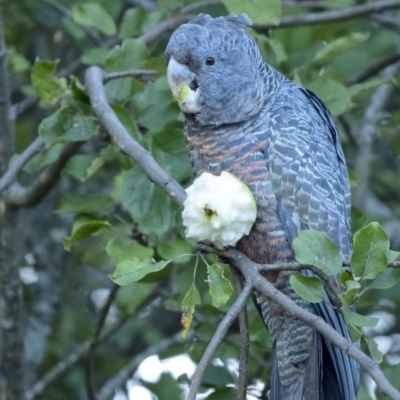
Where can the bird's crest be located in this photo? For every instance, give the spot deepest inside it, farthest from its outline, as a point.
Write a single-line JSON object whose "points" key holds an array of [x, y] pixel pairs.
{"points": [[232, 21]]}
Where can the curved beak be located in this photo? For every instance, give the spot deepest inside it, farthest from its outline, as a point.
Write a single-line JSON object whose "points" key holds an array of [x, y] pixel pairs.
{"points": [[178, 76]]}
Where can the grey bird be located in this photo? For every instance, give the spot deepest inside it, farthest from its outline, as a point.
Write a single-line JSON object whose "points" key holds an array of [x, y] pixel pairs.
{"points": [[244, 117]]}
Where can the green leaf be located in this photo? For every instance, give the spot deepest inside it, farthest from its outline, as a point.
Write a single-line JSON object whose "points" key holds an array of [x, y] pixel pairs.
{"points": [[170, 152], [17, 63], [77, 166], [389, 278], [351, 294], [345, 276], [371, 246], [373, 349], [96, 56], [120, 250], [334, 94], [132, 54], [393, 256], [191, 299], [315, 248], [93, 15], [260, 11], [147, 204], [369, 85], [220, 287], [86, 203], [84, 226], [175, 249], [129, 298], [337, 46], [48, 87], [217, 376], [67, 125], [357, 320], [133, 270], [132, 22], [45, 157], [126, 119], [307, 287]]}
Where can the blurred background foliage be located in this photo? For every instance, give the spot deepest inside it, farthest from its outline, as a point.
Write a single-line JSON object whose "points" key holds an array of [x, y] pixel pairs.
{"points": [[103, 209]]}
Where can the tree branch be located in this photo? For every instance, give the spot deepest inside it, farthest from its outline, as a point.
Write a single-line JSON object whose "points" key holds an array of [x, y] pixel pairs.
{"points": [[98, 99], [366, 135], [244, 342], [375, 68], [65, 364], [68, 14], [18, 164], [145, 75], [89, 363], [39, 387], [94, 77], [12, 357], [259, 283], [126, 373], [30, 196], [217, 338], [340, 14], [295, 266]]}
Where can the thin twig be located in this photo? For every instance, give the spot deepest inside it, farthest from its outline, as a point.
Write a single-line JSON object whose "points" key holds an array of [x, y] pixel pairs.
{"points": [[258, 282], [65, 364], [311, 4], [98, 99], [76, 65], [20, 196], [217, 338], [374, 69], [126, 373], [295, 266], [386, 21], [244, 342], [18, 164], [366, 136], [90, 359], [142, 74], [164, 26], [340, 14], [40, 386]]}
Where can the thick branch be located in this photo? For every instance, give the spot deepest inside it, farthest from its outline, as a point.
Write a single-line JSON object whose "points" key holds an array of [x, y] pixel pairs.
{"points": [[12, 357], [30, 196], [18, 164], [95, 89], [340, 14], [259, 283], [219, 334]]}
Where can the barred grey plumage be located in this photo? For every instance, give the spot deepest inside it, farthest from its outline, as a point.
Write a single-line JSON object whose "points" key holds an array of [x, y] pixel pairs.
{"points": [[281, 141]]}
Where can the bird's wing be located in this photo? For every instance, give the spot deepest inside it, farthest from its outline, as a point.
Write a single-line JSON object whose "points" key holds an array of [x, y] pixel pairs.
{"points": [[310, 181]]}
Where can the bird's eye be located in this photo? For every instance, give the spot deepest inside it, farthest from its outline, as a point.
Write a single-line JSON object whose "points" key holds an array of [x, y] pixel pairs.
{"points": [[210, 61]]}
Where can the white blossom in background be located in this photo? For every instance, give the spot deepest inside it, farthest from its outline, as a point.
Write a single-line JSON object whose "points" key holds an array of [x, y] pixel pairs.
{"points": [[218, 209]]}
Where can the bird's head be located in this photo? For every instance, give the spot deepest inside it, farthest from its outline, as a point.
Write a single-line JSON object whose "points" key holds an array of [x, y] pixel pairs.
{"points": [[214, 69]]}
